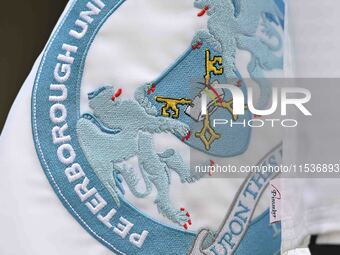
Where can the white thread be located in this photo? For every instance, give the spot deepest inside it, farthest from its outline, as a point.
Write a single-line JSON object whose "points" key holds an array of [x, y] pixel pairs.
{"points": [[69, 157], [53, 110], [93, 10], [67, 57], [38, 145], [96, 204], [123, 230], [99, 3], [58, 134], [138, 239], [87, 193], [63, 95], [62, 68], [74, 172], [106, 219], [84, 27]]}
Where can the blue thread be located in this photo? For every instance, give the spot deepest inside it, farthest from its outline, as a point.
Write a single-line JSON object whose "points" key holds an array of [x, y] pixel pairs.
{"points": [[119, 181], [231, 32], [255, 239], [281, 5], [104, 129], [41, 127], [177, 62], [271, 18], [237, 7], [134, 138], [182, 80], [95, 93], [177, 241]]}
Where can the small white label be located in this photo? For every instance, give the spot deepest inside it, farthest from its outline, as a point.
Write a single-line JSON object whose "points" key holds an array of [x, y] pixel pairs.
{"points": [[275, 201]]}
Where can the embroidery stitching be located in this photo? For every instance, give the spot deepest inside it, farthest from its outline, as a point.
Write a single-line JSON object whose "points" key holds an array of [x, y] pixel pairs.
{"points": [[171, 104], [134, 137], [229, 32], [66, 153]]}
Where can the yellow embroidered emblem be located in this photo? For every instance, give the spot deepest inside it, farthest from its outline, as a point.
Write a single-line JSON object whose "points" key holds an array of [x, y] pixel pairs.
{"points": [[171, 105]]}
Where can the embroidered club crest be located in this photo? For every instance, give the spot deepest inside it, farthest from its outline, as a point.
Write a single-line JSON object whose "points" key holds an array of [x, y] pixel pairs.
{"points": [[85, 154]]}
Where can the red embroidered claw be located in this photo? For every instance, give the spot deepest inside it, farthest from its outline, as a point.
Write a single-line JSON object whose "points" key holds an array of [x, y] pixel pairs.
{"points": [[151, 89], [203, 11], [187, 137], [189, 222], [196, 46], [117, 94]]}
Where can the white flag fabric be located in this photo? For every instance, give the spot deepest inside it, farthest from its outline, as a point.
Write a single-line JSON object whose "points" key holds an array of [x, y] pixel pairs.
{"points": [[310, 206], [134, 45]]}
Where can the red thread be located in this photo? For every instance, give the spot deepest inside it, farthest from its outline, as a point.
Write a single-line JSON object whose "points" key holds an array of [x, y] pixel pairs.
{"points": [[238, 84], [118, 92], [187, 137], [219, 99], [151, 89], [203, 11], [196, 46], [189, 220], [256, 116]]}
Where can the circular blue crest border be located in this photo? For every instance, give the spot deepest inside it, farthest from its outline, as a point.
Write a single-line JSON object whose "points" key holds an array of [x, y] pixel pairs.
{"points": [[161, 238], [179, 241]]}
